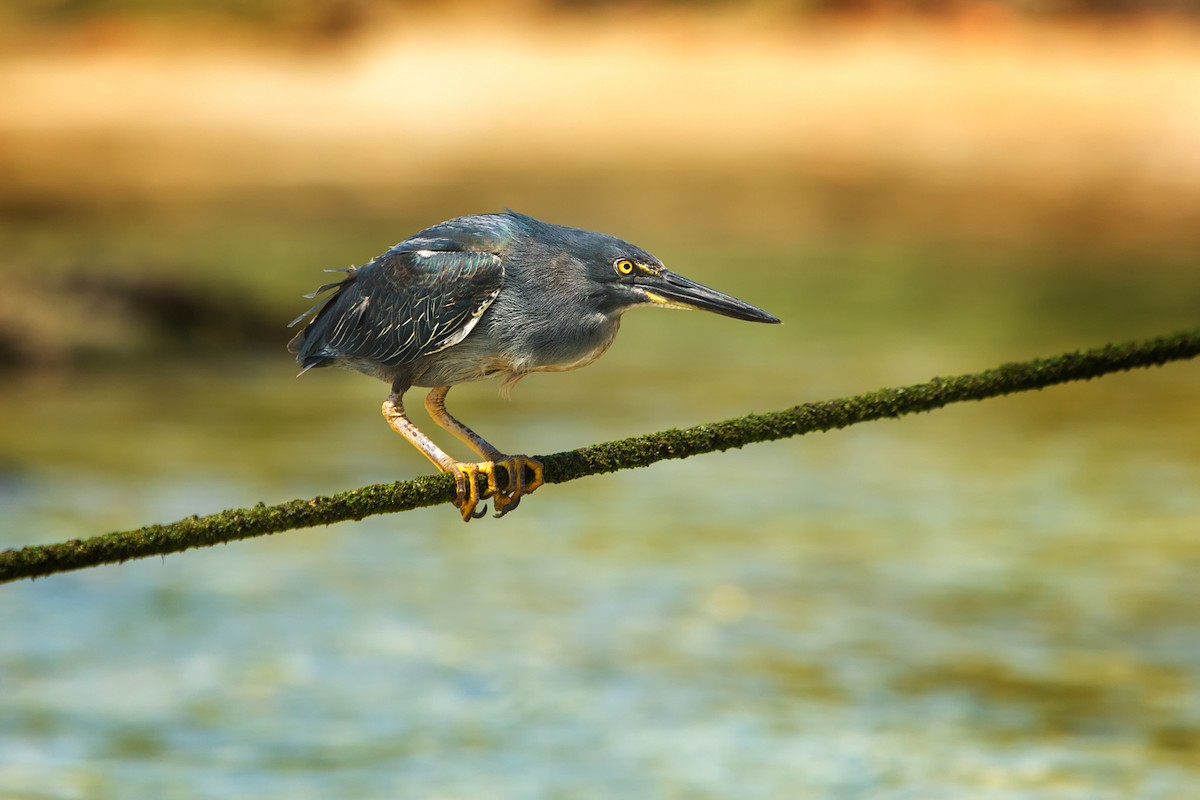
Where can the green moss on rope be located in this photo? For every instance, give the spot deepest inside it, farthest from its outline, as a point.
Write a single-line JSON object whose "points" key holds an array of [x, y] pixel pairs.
{"points": [[638, 451]]}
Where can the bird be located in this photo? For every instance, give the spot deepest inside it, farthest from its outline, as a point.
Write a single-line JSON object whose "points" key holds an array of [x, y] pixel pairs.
{"points": [[496, 295]]}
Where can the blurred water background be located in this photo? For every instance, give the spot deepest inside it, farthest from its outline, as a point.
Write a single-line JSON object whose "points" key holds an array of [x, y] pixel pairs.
{"points": [[995, 601]]}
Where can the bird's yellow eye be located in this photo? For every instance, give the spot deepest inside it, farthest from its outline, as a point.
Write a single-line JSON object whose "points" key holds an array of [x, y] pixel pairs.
{"points": [[623, 266]]}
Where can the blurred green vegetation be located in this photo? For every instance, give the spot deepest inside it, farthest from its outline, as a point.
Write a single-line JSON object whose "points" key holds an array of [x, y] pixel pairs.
{"points": [[104, 288]]}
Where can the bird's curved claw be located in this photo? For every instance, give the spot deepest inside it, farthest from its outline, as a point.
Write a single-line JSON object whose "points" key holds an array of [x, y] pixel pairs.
{"points": [[466, 488], [468, 495]]}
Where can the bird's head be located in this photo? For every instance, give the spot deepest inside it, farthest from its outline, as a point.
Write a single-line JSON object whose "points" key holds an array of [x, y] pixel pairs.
{"points": [[626, 276], [615, 275]]}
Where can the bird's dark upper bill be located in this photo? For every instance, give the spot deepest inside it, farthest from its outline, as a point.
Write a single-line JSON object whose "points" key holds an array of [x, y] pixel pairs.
{"points": [[678, 290]]}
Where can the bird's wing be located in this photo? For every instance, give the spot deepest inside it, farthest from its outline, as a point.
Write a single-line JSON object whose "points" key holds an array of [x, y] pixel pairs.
{"points": [[409, 302]]}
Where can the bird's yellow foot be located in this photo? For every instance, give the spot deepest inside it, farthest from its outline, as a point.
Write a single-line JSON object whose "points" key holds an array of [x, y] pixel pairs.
{"points": [[466, 488], [519, 484], [468, 494]]}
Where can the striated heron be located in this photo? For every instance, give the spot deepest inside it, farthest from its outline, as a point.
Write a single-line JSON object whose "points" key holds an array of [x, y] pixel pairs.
{"points": [[491, 295]]}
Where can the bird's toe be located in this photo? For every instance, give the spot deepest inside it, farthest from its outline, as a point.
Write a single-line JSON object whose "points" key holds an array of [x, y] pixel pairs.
{"points": [[466, 489], [518, 484]]}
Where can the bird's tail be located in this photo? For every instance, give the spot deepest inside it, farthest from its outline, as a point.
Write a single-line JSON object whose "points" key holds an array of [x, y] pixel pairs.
{"points": [[305, 344]]}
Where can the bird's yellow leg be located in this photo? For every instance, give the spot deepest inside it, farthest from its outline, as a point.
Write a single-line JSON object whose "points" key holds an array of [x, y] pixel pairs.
{"points": [[518, 484], [466, 485]]}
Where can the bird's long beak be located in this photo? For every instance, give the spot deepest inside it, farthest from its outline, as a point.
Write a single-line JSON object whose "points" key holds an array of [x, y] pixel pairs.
{"points": [[675, 291]]}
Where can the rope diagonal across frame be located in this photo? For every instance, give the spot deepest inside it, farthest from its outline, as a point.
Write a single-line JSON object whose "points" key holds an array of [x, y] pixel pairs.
{"points": [[638, 451]]}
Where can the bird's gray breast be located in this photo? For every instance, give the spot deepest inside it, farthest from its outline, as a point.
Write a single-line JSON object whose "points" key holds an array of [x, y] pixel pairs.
{"points": [[546, 317], [548, 330]]}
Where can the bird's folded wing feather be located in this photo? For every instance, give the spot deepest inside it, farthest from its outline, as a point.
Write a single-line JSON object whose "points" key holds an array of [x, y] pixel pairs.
{"points": [[405, 304]]}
